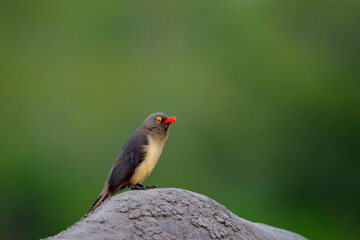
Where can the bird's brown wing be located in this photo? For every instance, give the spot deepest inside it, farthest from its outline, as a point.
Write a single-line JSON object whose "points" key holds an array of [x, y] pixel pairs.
{"points": [[125, 164]]}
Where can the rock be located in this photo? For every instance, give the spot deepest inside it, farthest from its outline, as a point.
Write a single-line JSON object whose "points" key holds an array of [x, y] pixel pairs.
{"points": [[167, 213]]}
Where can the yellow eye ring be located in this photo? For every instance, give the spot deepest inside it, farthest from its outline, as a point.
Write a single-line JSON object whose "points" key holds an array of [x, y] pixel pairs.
{"points": [[158, 119]]}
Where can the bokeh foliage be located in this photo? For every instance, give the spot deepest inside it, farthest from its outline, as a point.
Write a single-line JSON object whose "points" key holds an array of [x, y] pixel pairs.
{"points": [[266, 94]]}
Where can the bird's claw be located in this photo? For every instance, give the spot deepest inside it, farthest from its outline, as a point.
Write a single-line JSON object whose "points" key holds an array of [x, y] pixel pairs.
{"points": [[138, 187], [142, 187]]}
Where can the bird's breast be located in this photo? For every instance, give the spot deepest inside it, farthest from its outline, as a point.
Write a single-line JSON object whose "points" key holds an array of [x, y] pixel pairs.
{"points": [[152, 153]]}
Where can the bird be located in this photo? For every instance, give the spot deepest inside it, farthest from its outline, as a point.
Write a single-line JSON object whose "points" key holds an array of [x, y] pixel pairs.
{"points": [[137, 157]]}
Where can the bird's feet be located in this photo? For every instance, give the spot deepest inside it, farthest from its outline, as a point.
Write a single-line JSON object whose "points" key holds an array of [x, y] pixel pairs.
{"points": [[138, 187], [142, 187]]}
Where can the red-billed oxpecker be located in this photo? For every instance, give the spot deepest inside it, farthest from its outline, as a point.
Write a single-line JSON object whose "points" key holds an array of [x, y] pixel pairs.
{"points": [[137, 158]]}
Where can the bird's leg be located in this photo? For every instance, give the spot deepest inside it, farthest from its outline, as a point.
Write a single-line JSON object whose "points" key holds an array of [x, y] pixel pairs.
{"points": [[142, 187], [152, 186], [138, 187]]}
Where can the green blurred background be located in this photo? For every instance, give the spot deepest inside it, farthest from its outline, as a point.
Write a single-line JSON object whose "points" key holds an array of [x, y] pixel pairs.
{"points": [[266, 94]]}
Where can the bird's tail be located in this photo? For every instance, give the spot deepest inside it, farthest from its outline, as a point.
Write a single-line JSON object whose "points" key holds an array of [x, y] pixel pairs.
{"points": [[103, 196]]}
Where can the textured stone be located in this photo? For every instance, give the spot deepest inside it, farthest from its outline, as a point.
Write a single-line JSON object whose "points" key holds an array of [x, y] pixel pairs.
{"points": [[168, 213]]}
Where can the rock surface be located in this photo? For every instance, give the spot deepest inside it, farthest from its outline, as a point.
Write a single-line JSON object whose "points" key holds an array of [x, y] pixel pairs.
{"points": [[167, 213]]}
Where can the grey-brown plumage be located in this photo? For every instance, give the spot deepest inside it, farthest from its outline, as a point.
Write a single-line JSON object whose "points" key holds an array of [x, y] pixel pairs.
{"points": [[138, 157]]}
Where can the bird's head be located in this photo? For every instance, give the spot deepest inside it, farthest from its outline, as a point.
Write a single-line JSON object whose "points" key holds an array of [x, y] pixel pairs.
{"points": [[158, 123]]}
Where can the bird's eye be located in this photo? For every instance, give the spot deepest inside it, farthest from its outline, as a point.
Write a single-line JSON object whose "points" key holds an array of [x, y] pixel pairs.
{"points": [[158, 119]]}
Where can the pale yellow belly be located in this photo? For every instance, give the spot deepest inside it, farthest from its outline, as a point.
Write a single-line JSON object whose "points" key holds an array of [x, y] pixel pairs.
{"points": [[153, 152]]}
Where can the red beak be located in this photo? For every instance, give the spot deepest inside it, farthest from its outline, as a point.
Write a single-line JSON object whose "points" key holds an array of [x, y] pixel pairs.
{"points": [[170, 120]]}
